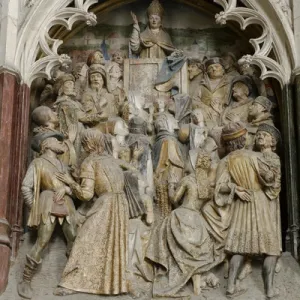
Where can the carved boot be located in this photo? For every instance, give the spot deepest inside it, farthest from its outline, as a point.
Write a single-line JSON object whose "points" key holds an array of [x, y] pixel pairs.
{"points": [[24, 287]]}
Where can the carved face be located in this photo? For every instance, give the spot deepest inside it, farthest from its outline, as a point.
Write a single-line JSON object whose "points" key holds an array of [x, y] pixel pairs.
{"points": [[53, 144], [98, 58], [215, 71], [154, 21], [161, 104], [227, 61], [197, 117], [239, 91], [96, 80], [68, 87], [53, 118], [118, 58], [193, 70], [256, 109], [264, 140]]}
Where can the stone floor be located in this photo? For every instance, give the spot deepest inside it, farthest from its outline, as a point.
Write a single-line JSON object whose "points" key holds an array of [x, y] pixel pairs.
{"points": [[45, 281]]}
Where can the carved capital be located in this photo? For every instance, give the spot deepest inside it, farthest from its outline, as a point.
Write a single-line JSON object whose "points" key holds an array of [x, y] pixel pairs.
{"points": [[5, 231]]}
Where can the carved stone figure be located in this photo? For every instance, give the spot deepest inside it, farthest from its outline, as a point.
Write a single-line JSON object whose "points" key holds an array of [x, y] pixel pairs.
{"points": [[213, 92], [229, 62], [195, 69], [259, 112], [115, 83], [196, 134], [154, 42], [183, 229], [253, 186], [217, 212], [96, 58], [49, 201], [96, 99], [238, 108], [70, 113], [103, 237], [47, 121], [138, 139], [168, 161], [80, 73], [137, 108]]}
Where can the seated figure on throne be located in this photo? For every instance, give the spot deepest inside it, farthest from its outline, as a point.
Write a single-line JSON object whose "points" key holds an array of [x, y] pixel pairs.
{"points": [[154, 41]]}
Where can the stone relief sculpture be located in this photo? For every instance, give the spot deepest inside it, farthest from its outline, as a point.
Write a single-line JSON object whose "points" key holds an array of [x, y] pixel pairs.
{"points": [[154, 42], [167, 181], [213, 93], [49, 201]]}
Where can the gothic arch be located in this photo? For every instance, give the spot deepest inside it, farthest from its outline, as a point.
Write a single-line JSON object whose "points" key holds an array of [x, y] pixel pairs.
{"points": [[36, 53]]}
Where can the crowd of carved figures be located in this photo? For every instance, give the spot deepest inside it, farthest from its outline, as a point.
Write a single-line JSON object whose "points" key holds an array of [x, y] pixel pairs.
{"points": [[164, 192]]}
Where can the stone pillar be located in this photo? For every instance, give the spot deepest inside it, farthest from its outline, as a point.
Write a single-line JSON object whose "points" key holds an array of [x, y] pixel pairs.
{"points": [[8, 94], [18, 164], [288, 106]]}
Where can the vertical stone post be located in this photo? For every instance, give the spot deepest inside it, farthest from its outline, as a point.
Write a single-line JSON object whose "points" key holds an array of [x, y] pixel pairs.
{"points": [[18, 164], [288, 105], [8, 95]]}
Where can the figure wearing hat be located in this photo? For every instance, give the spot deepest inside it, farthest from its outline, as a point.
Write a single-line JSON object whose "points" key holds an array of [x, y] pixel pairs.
{"points": [[249, 183], [96, 99], [259, 113], [154, 42], [196, 71], [213, 92], [238, 108], [69, 111], [49, 201]]}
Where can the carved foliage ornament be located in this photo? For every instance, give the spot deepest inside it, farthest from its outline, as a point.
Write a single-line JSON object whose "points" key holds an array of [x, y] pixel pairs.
{"points": [[262, 45], [65, 16]]}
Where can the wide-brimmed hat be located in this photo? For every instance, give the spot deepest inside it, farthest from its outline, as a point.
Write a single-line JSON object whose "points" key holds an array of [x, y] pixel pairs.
{"points": [[40, 137]]}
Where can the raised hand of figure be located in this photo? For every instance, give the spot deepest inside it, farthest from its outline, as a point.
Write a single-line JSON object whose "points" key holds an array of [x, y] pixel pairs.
{"points": [[134, 18], [243, 194], [64, 177], [59, 194]]}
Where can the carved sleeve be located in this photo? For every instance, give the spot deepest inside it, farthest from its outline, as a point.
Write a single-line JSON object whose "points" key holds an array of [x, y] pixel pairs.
{"points": [[85, 190], [28, 186], [135, 42]]}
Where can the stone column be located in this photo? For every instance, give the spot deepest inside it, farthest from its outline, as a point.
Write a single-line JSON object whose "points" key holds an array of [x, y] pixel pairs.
{"points": [[18, 163], [288, 106], [8, 94]]}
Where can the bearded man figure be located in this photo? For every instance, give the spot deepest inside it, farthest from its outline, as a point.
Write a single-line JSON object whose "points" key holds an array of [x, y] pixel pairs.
{"points": [[49, 201]]}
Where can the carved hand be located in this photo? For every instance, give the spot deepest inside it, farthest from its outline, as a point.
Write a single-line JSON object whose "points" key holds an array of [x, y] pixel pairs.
{"points": [[59, 194], [134, 18], [243, 194], [64, 177], [216, 104], [232, 117]]}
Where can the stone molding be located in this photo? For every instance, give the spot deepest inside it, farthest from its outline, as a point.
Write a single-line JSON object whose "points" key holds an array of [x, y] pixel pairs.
{"points": [[36, 53], [263, 45]]}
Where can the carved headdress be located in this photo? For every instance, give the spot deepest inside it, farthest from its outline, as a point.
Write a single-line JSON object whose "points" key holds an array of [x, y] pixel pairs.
{"points": [[155, 8], [271, 130]]}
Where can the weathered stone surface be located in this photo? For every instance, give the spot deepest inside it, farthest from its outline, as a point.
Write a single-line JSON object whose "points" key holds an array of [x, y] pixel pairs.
{"points": [[48, 276]]}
